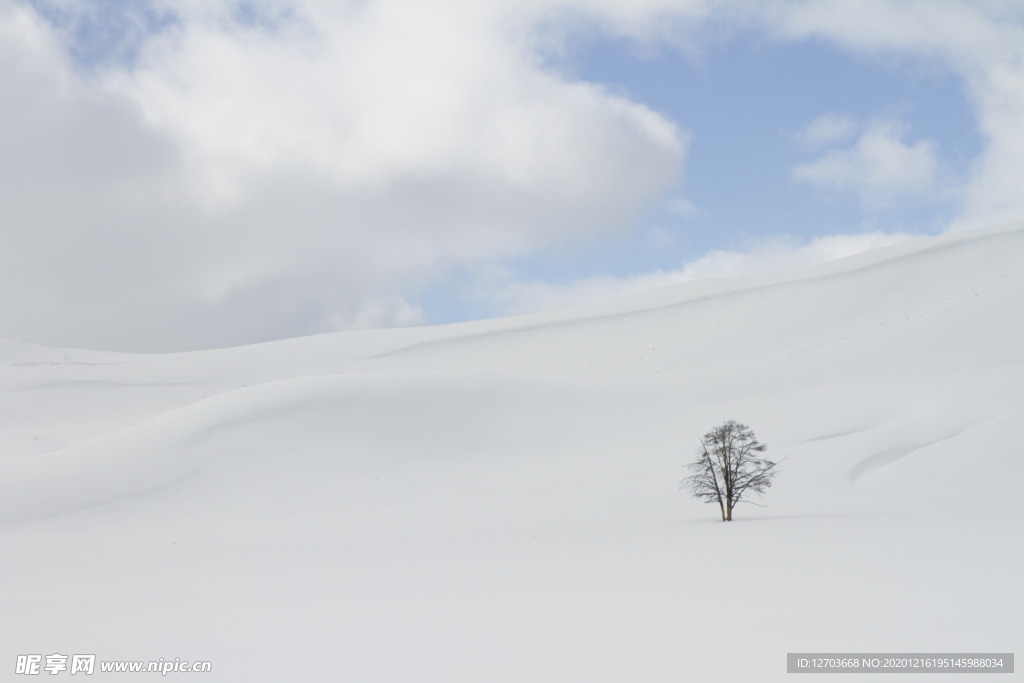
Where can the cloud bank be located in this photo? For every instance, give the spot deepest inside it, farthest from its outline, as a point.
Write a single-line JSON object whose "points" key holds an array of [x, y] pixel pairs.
{"points": [[765, 257], [249, 178]]}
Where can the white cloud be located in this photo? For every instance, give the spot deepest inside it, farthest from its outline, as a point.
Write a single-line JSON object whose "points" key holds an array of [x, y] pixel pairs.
{"points": [[982, 42], [879, 166], [770, 256], [682, 207], [782, 254], [242, 180], [365, 95], [831, 127]]}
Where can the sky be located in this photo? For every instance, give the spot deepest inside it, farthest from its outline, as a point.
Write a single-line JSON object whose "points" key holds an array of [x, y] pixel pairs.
{"points": [[185, 175]]}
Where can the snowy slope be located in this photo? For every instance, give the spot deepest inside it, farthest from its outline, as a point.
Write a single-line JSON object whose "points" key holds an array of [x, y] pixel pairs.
{"points": [[497, 500]]}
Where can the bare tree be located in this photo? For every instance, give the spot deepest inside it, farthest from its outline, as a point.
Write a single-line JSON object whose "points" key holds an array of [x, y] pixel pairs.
{"points": [[728, 465]]}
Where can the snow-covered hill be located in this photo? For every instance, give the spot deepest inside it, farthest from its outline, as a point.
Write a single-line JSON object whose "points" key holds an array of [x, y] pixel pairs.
{"points": [[497, 500]]}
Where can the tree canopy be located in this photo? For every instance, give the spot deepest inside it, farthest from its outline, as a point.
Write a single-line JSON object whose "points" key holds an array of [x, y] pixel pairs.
{"points": [[729, 465]]}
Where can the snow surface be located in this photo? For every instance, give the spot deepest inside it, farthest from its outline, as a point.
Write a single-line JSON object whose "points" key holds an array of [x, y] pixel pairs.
{"points": [[498, 500]]}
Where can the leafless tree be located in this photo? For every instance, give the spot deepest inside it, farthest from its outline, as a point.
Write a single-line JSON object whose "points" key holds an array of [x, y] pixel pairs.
{"points": [[729, 465]]}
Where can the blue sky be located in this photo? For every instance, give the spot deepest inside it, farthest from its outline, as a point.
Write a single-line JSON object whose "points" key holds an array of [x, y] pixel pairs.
{"points": [[190, 175], [744, 100]]}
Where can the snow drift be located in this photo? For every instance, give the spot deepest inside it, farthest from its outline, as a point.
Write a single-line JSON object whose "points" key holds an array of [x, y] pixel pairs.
{"points": [[497, 500]]}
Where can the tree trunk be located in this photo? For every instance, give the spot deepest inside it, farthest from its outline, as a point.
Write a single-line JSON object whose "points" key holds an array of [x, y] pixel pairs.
{"points": [[729, 513], [722, 507]]}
